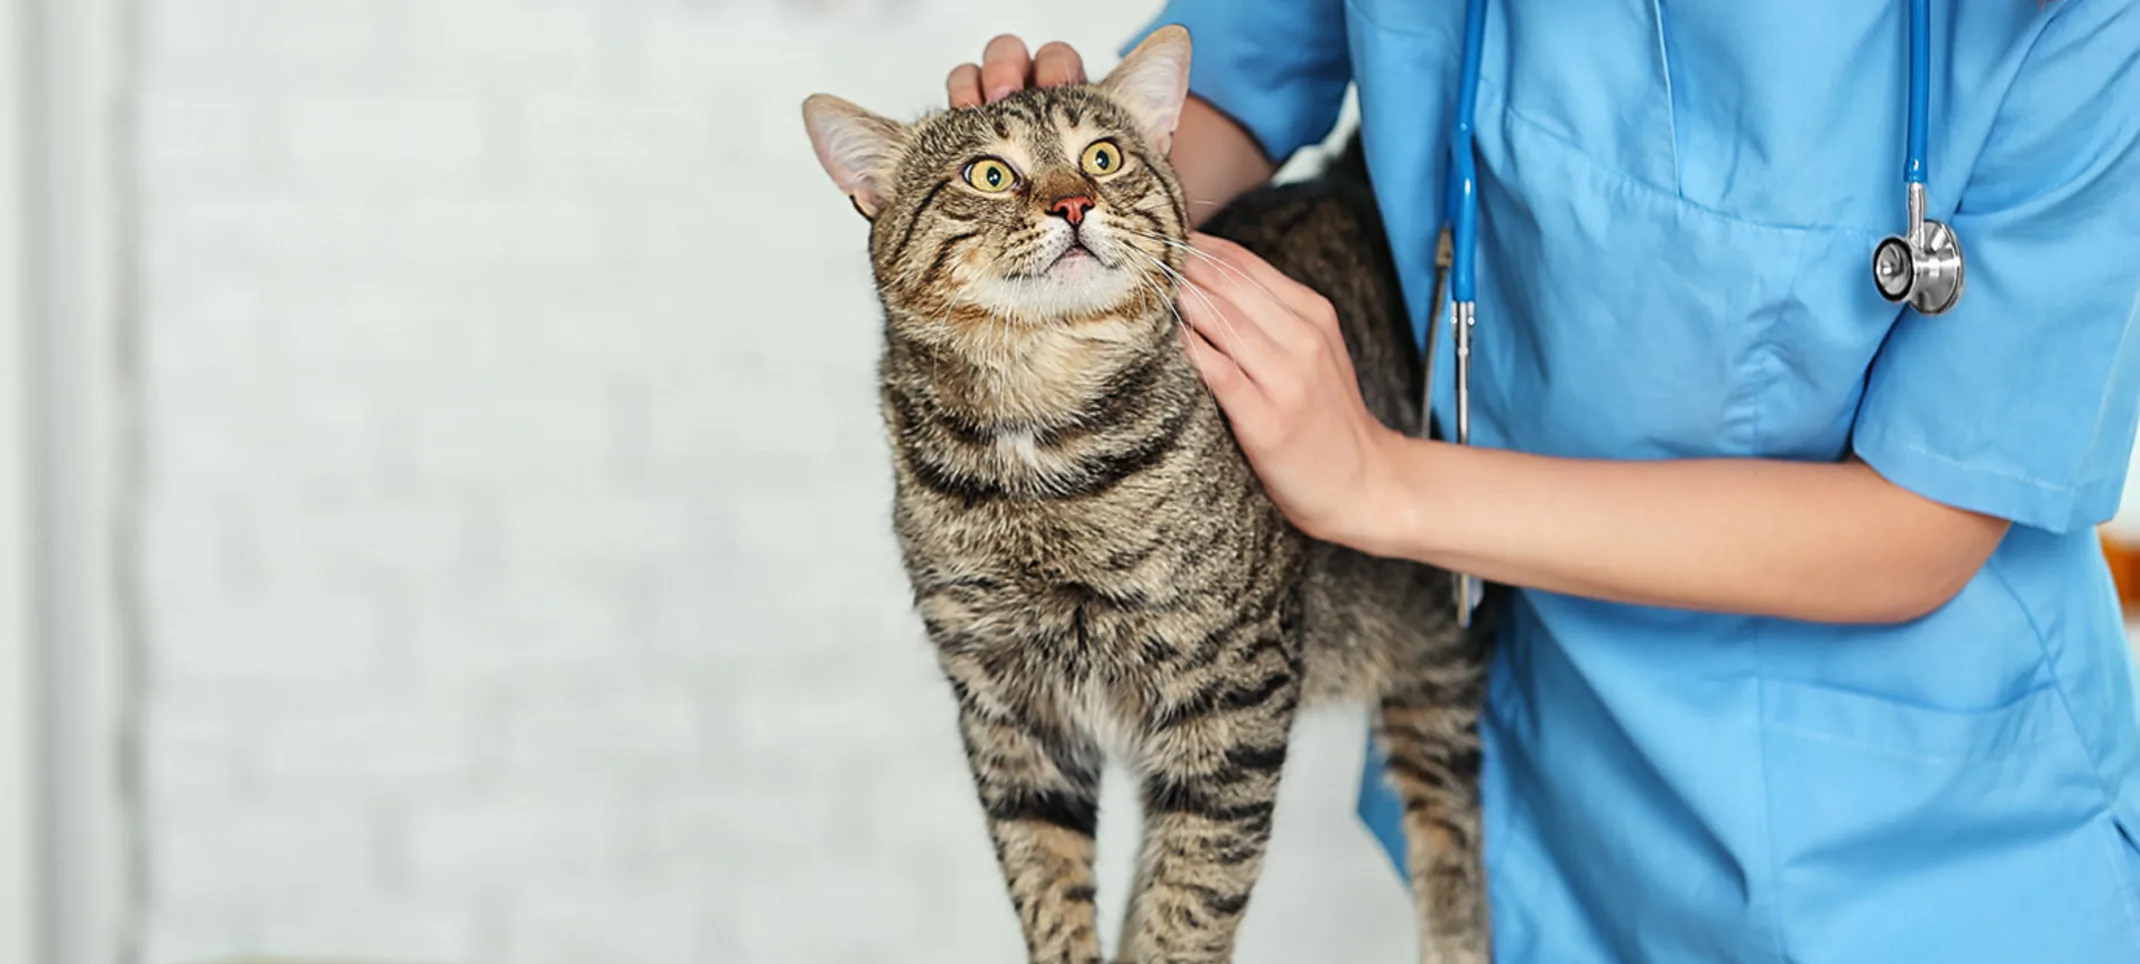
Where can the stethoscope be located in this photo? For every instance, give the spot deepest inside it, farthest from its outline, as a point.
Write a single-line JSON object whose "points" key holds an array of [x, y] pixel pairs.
{"points": [[1922, 268]]}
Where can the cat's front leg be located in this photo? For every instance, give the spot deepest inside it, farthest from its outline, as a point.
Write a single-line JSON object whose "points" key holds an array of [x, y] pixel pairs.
{"points": [[1211, 770], [1040, 791]]}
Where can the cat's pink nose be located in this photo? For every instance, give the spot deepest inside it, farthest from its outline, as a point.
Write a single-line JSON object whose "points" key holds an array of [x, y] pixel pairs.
{"points": [[1072, 208]]}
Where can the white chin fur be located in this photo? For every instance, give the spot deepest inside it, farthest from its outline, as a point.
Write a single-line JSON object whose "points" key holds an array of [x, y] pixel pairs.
{"points": [[1079, 286], [1072, 289]]}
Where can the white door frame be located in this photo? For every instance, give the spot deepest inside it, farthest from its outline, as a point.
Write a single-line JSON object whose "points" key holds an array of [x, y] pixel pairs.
{"points": [[65, 456]]}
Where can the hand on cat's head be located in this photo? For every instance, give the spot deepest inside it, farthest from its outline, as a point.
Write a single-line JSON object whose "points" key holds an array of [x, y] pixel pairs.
{"points": [[1005, 70], [1052, 198]]}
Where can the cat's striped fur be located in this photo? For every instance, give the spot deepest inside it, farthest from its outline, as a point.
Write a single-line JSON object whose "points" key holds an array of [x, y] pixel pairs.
{"points": [[1098, 567]]}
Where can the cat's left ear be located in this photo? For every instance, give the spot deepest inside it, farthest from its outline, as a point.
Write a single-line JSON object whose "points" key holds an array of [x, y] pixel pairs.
{"points": [[857, 148], [1153, 81]]}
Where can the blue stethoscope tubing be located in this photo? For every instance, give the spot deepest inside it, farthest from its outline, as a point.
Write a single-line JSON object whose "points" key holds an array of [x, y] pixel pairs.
{"points": [[1461, 228], [1913, 171], [1923, 268]]}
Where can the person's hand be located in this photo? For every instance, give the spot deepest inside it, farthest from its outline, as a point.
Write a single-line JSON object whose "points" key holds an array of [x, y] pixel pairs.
{"points": [[1270, 349], [1006, 69]]}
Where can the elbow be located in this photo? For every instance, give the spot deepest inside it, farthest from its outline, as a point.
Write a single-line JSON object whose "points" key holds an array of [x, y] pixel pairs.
{"points": [[1914, 591], [1920, 554], [1913, 599]]}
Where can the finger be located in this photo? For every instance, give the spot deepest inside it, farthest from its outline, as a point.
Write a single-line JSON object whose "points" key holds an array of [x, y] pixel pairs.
{"points": [[1005, 65], [1236, 393], [1057, 63], [1302, 299], [1228, 329], [1309, 325], [964, 85], [1263, 310]]}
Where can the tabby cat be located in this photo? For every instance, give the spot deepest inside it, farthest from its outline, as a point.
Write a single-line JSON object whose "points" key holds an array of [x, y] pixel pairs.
{"points": [[1098, 567]]}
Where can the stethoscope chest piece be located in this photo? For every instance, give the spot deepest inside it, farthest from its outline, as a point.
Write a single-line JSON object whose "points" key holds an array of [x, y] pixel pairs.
{"points": [[1923, 266], [1924, 269]]}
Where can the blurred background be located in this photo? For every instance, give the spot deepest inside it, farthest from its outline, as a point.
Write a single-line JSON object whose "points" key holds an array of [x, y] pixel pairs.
{"points": [[445, 510], [443, 515]]}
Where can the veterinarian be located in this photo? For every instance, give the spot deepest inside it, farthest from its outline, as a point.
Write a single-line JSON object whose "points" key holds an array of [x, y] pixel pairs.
{"points": [[1814, 656]]}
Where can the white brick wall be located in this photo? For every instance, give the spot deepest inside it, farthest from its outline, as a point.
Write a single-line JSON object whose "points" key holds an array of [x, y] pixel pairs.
{"points": [[518, 584]]}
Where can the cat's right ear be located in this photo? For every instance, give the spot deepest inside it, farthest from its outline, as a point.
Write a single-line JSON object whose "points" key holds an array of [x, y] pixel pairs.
{"points": [[1152, 81], [856, 147]]}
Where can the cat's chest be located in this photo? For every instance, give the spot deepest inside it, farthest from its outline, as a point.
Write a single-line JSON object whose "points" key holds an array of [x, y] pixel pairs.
{"points": [[1082, 652], [1113, 551], [1165, 508]]}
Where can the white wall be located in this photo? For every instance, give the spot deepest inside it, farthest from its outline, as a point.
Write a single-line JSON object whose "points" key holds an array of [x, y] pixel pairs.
{"points": [[18, 857], [516, 583]]}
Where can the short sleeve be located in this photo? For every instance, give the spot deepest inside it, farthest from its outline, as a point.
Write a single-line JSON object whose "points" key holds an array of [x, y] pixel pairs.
{"points": [[1280, 68], [2021, 401]]}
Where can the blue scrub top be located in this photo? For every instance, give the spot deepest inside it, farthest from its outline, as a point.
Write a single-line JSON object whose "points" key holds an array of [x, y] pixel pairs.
{"points": [[1679, 205]]}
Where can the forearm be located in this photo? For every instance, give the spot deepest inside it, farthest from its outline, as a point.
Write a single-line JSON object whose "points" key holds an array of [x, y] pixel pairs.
{"points": [[1823, 542], [1215, 159], [1829, 542]]}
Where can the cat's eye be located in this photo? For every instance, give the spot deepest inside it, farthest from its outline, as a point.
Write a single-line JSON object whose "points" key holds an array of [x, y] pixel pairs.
{"points": [[991, 176], [1102, 158]]}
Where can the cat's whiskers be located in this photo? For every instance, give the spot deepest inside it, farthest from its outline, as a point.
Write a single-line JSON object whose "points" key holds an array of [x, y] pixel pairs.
{"points": [[1173, 288], [1203, 255], [1221, 263], [1163, 294], [1166, 298], [1181, 284]]}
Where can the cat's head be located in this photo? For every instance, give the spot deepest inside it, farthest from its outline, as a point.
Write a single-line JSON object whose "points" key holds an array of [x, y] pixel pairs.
{"points": [[1052, 206]]}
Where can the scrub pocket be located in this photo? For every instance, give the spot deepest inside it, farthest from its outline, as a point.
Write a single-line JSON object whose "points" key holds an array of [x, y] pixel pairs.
{"points": [[1905, 832]]}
